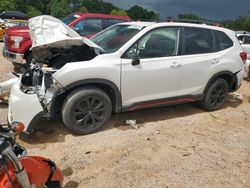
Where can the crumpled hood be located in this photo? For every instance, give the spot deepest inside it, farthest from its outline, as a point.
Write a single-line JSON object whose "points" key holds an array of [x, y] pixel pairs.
{"points": [[47, 31]]}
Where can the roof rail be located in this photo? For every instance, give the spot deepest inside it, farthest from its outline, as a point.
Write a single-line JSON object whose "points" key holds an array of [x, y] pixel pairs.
{"points": [[195, 21]]}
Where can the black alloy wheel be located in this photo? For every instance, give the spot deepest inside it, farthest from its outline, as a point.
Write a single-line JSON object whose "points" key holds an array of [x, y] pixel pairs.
{"points": [[216, 95], [86, 110]]}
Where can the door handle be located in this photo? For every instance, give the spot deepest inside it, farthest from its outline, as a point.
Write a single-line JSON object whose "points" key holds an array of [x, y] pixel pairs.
{"points": [[215, 61], [175, 65]]}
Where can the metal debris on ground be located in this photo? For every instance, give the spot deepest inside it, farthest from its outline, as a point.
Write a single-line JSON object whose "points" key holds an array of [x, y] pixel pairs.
{"points": [[213, 117], [235, 97], [132, 123]]}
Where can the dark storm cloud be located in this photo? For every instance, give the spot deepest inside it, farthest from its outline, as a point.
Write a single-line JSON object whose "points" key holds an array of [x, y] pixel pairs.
{"points": [[209, 9]]}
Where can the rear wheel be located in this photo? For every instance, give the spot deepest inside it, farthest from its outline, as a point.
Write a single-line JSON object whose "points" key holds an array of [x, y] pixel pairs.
{"points": [[216, 95], [86, 110]]}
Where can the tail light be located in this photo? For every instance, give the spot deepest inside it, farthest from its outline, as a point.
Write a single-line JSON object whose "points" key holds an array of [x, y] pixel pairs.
{"points": [[243, 56]]}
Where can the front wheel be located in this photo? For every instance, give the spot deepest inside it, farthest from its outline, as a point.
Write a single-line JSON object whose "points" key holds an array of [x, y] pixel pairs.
{"points": [[216, 95], [86, 110]]}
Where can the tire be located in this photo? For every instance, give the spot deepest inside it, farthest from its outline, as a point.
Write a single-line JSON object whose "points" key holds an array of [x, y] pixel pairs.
{"points": [[216, 95], [86, 110]]}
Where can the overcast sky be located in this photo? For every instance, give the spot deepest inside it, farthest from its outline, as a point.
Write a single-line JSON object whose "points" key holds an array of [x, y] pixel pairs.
{"points": [[209, 9]]}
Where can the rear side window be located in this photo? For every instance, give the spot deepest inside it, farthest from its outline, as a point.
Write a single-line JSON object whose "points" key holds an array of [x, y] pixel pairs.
{"points": [[197, 41], [223, 41]]}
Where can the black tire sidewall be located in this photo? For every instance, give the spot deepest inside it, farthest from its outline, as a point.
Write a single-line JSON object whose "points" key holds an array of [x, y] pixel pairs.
{"points": [[206, 104], [74, 98]]}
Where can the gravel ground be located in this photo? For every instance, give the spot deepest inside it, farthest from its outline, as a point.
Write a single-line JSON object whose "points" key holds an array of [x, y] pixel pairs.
{"points": [[177, 146]]}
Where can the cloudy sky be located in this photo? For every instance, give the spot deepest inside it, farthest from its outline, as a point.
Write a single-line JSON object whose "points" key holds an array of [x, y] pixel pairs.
{"points": [[209, 9]]}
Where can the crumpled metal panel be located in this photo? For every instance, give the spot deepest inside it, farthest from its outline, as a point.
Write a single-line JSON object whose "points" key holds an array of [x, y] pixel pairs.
{"points": [[47, 31]]}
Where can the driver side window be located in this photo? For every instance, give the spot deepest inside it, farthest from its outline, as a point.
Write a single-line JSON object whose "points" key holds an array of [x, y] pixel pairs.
{"points": [[162, 42]]}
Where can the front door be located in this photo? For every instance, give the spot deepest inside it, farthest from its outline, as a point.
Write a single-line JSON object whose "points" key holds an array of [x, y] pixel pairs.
{"points": [[150, 69]]}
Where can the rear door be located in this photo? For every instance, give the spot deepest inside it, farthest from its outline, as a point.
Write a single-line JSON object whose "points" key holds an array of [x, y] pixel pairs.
{"points": [[204, 53], [197, 58]]}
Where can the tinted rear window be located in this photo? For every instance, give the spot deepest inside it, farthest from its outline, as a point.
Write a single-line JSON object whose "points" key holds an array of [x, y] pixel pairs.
{"points": [[223, 41], [198, 41]]}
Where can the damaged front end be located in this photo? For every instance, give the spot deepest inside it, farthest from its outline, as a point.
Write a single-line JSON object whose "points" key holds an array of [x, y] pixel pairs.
{"points": [[54, 45]]}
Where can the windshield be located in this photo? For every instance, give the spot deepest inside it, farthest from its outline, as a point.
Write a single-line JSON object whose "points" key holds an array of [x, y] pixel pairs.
{"points": [[115, 37], [70, 18]]}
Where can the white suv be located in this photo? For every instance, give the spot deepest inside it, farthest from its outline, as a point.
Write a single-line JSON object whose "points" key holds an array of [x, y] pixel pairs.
{"points": [[127, 67]]}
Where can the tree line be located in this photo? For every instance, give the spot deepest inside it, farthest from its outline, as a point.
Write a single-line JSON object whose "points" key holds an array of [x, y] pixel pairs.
{"points": [[241, 23], [61, 8]]}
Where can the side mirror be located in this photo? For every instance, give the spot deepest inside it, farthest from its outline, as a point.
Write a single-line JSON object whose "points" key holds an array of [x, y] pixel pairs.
{"points": [[135, 62]]}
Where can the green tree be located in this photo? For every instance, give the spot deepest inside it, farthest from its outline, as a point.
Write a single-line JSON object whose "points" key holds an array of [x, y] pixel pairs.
{"points": [[189, 16], [33, 11], [240, 23], [122, 12], [59, 8], [83, 9], [114, 12], [7, 5], [119, 12], [139, 13], [98, 6]]}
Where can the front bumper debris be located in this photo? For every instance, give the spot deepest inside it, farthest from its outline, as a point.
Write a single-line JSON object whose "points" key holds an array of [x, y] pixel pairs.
{"points": [[23, 107]]}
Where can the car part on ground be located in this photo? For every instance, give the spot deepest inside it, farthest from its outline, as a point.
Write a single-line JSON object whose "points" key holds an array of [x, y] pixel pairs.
{"points": [[126, 67], [19, 170]]}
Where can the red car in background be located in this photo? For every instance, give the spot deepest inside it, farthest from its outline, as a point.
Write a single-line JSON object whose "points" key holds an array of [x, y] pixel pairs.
{"points": [[17, 42]]}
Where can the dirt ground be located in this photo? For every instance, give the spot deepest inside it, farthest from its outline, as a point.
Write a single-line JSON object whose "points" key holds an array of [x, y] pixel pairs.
{"points": [[176, 146]]}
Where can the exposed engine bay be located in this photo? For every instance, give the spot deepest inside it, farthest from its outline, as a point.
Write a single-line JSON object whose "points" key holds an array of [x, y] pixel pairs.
{"points": [[39, 80], [58, 57]]}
